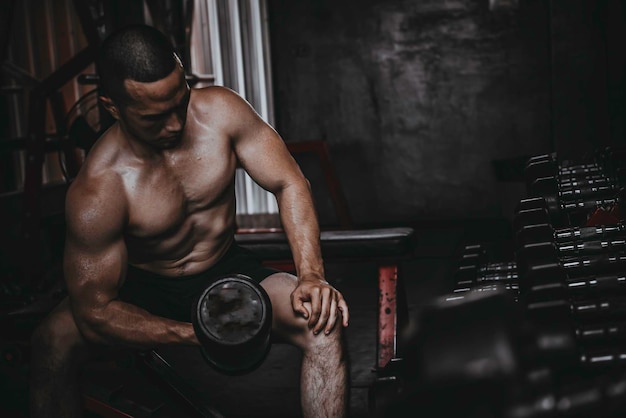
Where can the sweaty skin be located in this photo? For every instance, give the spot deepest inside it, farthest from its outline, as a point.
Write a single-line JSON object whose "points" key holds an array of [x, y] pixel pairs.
{"points": [[157, 191]]}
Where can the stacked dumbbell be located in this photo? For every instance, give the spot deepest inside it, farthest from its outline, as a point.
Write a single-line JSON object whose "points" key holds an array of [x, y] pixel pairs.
{"points": [[562, 350], [586, 314], [573, 190], [480, 356], [479, 270]]}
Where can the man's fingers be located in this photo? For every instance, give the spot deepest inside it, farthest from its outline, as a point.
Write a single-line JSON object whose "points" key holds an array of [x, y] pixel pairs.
{"points": [[343, 307], [315, 309], [332, 318], [324, 311], [298, 306]]}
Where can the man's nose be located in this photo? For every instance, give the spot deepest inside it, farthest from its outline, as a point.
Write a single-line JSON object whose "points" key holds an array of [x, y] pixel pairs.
{"points": [[175, 122]]}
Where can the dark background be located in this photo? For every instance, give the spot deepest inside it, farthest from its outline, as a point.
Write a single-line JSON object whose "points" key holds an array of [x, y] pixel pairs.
{"points": [[429, 108]]}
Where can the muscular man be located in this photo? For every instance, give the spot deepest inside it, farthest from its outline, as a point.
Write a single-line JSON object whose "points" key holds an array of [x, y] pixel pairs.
{"points": [[151, 219]]}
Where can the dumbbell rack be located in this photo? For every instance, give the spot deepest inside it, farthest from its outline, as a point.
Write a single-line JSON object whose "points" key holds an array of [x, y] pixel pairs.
{"points": [[565, 318]]}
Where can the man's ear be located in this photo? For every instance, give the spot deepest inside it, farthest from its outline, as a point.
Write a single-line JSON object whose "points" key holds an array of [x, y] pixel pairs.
{"points": [[110, 106]]}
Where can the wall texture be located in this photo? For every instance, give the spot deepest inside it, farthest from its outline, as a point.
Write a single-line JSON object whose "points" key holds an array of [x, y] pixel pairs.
{"points": [[416, 99]]}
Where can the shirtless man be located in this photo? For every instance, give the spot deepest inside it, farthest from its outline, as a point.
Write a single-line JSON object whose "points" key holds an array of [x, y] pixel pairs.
{"points": [[151, 219]]}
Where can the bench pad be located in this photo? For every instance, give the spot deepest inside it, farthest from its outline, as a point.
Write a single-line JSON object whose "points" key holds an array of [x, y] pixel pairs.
{"points": [[381, 242]]}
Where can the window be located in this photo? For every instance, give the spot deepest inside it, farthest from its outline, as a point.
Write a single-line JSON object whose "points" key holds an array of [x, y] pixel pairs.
{"points": [[230, 44]]}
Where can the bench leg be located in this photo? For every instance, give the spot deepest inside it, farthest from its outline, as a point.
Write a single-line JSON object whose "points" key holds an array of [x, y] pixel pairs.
{"points": [[387, 314]]}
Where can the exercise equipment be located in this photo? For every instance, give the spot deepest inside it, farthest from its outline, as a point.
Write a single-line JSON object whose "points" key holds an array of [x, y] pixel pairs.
{"points": [[232, 319], [545, 232], [482, 356], [607, 163]]}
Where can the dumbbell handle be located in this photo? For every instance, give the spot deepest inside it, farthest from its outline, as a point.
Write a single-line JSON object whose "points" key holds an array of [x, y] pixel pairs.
{"points": [[586, 204], [591, 247], [560, 292], [589, 232], [586, 182], [602, 284], [493, 278], [603, 261], [605, 283], [504, 266], [582, 169], [602, 308], [488, 271], [596, 333], [544, 270], [486, 288], [568, 195]]}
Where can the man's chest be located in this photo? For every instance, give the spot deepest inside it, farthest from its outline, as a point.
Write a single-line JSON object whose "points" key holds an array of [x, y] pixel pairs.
{"points": [[164, 198]]}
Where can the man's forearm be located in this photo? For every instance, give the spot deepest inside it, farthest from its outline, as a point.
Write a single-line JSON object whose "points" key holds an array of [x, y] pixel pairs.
{"points": [[299, 220], [124, 325]]}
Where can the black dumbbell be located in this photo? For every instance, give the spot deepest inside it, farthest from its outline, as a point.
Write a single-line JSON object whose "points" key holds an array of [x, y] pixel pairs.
{"points": [[232, 320], [565, 250], [551, 187], [533, 216], [476, 268], [534, 259], [549, 167], [606, 161], [545, 232]]}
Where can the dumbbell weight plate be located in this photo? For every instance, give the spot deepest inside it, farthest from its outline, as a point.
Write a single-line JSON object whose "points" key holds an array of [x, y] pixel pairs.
{"points": [[232, 319]]}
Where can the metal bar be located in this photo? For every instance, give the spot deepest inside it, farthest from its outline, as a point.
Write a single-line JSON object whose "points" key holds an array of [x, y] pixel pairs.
{"points": [[236, 49], [19, 74], [67, 71], [214, 39], [31, 221], [6, 26], [87, 22], [387, 314], [269, 97], [156, 366], [103, 409], [256, 69]]}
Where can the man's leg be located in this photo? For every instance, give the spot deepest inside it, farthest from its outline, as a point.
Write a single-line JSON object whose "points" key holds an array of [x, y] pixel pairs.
{"points": [[58, 350], [324, 375]]}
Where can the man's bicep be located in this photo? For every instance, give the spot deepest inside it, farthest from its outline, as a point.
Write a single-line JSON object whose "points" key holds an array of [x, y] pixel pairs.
{"points": [[94, 260]]}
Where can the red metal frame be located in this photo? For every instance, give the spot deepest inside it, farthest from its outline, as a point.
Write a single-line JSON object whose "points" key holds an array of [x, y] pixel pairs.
{"points": [[387, 314], [103, 409]]}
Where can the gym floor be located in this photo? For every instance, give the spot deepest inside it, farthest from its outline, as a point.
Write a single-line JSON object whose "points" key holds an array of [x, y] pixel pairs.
{"points": [[272, 390]]}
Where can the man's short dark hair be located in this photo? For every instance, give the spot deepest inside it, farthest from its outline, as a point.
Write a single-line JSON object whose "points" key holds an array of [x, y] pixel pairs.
{"points": [[137, 52]]}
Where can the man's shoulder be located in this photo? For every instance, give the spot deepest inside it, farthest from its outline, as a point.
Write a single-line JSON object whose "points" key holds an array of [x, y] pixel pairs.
{"points": [[97, 178], [215, 97]]}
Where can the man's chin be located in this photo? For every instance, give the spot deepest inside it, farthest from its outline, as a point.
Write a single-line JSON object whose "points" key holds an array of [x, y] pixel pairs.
{"points": [[168, 143]]}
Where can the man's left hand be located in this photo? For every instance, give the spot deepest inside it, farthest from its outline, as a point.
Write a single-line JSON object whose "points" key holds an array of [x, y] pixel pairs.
{"points": [[325, 303]]}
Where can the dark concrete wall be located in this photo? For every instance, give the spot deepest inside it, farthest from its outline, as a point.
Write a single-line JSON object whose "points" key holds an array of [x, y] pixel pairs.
{"points": [[416, 99]]}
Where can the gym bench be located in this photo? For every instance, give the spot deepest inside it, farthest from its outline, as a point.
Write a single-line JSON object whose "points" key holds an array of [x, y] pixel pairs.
{"points": [[385, 246]]}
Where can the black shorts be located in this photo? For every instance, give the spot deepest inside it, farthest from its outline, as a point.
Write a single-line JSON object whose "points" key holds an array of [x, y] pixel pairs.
{"points": [[172, 297]]}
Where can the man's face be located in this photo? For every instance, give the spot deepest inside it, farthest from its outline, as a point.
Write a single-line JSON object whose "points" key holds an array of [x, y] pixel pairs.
{"points": [[157, 110]]}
